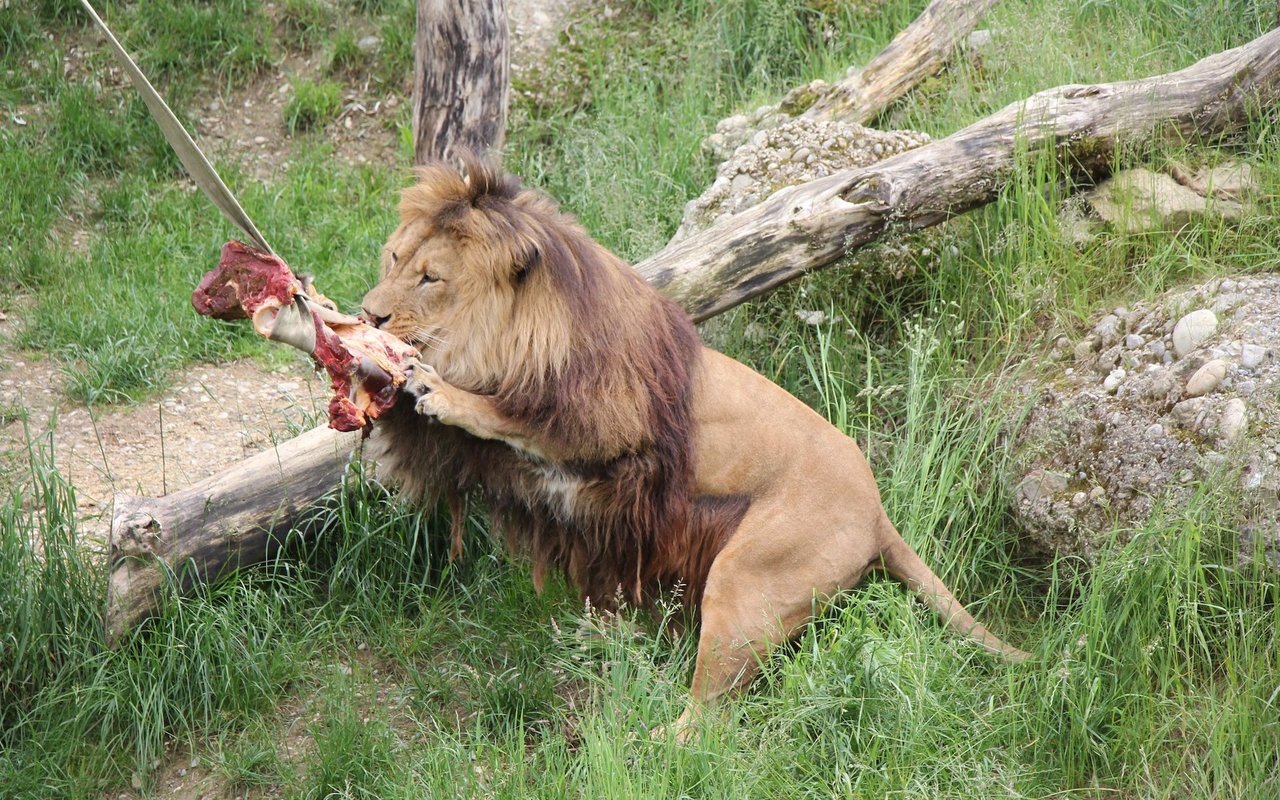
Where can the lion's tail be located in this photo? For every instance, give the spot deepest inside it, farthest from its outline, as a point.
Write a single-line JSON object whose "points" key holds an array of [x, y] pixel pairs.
{"points": [[901, 562]]}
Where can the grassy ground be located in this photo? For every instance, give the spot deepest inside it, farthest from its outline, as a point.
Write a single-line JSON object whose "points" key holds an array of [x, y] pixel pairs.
{"points": [[363, 665]]}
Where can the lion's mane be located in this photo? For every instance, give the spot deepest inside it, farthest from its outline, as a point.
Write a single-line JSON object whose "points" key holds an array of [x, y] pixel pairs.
{"points": [[597, 361]]}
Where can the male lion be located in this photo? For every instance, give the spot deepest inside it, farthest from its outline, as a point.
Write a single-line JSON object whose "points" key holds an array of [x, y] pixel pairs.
{"points": [[609, 443]]}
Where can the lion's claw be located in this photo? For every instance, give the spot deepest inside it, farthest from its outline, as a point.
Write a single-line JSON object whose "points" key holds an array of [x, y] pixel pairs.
{"points": [[426, 387]]}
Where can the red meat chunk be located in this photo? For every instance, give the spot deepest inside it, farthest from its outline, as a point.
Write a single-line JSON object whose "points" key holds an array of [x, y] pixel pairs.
{"points": [[366, 365]]}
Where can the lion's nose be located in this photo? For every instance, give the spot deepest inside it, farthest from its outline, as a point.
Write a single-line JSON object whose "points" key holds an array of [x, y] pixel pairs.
{"points": [[373, 319]]}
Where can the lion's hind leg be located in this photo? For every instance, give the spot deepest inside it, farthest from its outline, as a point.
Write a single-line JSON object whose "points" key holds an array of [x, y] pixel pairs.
{"points": [[761, 590]]}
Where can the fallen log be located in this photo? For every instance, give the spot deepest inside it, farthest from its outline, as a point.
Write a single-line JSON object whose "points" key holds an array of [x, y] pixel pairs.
{"points": [[231, 519], [917, 52], [807, 227]]}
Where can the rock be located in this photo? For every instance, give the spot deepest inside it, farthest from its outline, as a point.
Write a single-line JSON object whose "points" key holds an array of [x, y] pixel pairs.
{"points": [[1207, 378], [1133, 341], [1108, 329], [979, 39], [1041, 484], [1193, 329], [1113, 380], [369, 44], [1141, 201], [1252, 356], [1147, 441], [1232, 181], [1185, 413], [1234, 420]]}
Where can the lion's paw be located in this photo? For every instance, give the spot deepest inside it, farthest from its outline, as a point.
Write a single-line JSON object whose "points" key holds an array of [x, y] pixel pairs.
{"points": [[427, 389]]}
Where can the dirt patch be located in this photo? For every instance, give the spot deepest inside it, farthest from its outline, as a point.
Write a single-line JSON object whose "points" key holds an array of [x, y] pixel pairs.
{"points": [[213, 417]]}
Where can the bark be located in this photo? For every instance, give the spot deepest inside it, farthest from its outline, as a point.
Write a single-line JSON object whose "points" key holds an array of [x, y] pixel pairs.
{"points": [[461, 77], [807, 227], [232, 519], [917, 52]]}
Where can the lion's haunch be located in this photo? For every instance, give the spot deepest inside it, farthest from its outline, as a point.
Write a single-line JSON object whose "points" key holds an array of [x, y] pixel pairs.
{"points": [[365, 364]]}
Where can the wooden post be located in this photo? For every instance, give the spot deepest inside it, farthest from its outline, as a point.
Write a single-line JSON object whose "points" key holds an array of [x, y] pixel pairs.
{"points": [[461, 78]]}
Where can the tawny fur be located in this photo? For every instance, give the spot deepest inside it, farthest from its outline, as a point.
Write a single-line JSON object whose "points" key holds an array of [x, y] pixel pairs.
{"points": [[608, 442]]}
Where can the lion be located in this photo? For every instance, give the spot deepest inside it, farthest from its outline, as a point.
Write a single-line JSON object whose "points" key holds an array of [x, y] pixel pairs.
{"points": [[608, 442]]}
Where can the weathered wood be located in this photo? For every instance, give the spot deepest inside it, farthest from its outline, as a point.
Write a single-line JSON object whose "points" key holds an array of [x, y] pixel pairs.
{"points": [[917, 52], [231, 519], [217, 525], [807, 227], [461, 77]]}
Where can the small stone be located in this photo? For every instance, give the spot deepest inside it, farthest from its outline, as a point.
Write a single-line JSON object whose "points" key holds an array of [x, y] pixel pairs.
{"points": [[1113, 380], [1155, 431], [979, 39], [1184, 413], [1097, 493], [811, 317], [1207, 378], [259, 140], [1234, 421], [1079, 499], [1108, 328], [1157, 348], [1133, 341], [1041, 483], [368, 44], [1246, 387], [1086, 347], [1160, 383], [1252, 355], [1193, 329]]}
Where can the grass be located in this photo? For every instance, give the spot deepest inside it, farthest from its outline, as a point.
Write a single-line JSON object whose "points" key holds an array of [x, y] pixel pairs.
{"points": [[361, 663]]}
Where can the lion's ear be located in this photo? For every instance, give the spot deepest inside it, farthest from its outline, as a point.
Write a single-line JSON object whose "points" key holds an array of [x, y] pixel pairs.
{"points": [[527, 257]]}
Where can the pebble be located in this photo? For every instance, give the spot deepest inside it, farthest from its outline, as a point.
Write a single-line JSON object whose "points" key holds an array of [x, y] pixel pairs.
{"points": [[1133, 341], [1155, 431], [368, 44], [1252, 355], [1108, 327], [1193, 329], [1207, 378], [259, 140], [1235, 418], [1185, 412], [1113, 380]]}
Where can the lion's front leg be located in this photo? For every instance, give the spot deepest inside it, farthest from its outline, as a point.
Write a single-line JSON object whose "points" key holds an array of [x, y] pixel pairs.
{"points": [[474, 413]]}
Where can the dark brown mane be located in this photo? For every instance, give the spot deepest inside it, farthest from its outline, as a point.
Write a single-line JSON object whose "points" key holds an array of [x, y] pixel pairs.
{"points": [[617, 510]]}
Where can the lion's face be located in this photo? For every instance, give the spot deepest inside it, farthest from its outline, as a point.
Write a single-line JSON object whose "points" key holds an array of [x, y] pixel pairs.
{"points": [[422, 281], [451, 274]]}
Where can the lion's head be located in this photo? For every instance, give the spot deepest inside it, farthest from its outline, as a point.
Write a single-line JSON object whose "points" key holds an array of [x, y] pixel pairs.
{"points": [[507, 297], [468, 279]]}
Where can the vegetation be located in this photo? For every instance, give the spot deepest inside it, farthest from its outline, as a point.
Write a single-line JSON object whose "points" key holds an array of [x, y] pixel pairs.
{"points": [[361, 663]]}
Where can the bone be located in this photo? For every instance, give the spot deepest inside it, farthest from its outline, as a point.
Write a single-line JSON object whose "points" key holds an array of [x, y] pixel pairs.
{"points": [[366, 365]]}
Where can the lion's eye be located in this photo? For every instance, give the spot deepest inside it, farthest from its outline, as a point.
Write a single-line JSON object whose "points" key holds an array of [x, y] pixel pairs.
{"points": [[427, 278]]}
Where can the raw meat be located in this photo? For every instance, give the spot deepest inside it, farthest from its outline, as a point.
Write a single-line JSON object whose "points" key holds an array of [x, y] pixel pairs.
{"points": [[366, 365]]}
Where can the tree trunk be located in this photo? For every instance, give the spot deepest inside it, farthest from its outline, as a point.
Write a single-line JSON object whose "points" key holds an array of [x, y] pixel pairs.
{"points": [[917, 52], [461, 77], [231, 519]]}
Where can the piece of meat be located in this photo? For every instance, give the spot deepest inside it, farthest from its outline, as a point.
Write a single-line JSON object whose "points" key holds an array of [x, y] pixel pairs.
{"points": [[366, 365]]}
